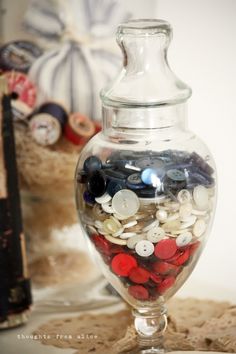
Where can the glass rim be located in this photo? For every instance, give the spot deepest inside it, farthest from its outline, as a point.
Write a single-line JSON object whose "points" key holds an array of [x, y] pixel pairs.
{"points": [[144, 26]]}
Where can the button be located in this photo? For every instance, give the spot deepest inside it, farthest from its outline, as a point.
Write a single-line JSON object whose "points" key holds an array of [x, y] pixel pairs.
{"points": [[184, 196], [166, 284], [115, 240], [82, 177], [184, 239], [107, 207], [125, 202], [98, 224], [45, 129], [98, 213], [165, 268], [153, 177], [155, 278], [118, 233], [199, 228], [134, 181], [101, 244], [165, 248], [123, 263], [148, 193], [120, 217], [185, 210], [181, 259], [139, 275], [131, 243], [199, 161], [105, 198], [156, 234], [193, 247], [152, 224], [144, 248], [92, 163], [130, 224], [171, 225], [115, 175], [139, 292], [201, 197], [126, 235], [111, 227], [88, 198], [188, 222], [203, 179], [152, 162], [97, 183], [161, 215], [176, 175], [113, 187]]}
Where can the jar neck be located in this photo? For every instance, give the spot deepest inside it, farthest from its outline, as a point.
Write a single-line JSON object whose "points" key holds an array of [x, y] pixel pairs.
{"points": [[142, 121]]}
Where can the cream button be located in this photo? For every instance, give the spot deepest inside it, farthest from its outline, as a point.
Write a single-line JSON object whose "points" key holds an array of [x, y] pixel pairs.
{"points": [[132, 241], [171, 225], [98, 224], [144, 248], [151, 225], [115, 240], [188, 222], [130, 224], [199, 228], [184, 196], [118, 233], [201, 197], [184, 239], [161, 215], [126, 235], [120, 217], [125, 202], [107, 207], [105, 198], [110, 226], [156, 234], [185, 210]]}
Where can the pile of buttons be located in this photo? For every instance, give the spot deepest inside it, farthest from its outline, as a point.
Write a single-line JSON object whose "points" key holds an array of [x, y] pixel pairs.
{"points": [[146, 214]]}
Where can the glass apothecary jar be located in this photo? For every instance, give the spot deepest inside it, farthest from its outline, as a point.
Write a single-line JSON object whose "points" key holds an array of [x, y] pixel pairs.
{"points": [[146, 185]]}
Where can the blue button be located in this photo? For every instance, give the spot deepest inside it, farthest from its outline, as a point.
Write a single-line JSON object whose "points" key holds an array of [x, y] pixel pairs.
{"points": [[92, 163], [153, 177], [134, 181], [199, 161], [150, 162], [97, 183], [113, 187], [176, 175], [89, 198]]}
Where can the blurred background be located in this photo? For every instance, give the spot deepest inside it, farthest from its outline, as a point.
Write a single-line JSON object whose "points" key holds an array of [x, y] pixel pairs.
{"points": [[203, 54]]}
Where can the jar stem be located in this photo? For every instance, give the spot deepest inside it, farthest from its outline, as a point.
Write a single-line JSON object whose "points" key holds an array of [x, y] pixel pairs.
{"points": [[150, 326]]}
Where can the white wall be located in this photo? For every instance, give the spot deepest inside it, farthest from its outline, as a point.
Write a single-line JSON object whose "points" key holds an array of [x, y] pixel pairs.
{"points": [[203, 53]]}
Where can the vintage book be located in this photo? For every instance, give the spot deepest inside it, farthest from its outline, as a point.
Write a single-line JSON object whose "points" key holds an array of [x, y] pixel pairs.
{"points": [[15, 293]]}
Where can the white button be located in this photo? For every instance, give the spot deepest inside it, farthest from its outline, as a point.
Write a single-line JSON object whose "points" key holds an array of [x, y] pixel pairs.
{"points": [[126, 235], [151, 225], [201, 197], [188, 222], [161, 215], [98, 224], [120, 217], [131, 243], [125, 202], [184, 196], [105, 198], [130, 224], [156, 234], [118, 233], [144, 248], [184, 239], [107, 207], [185, 210], [199, 228]]}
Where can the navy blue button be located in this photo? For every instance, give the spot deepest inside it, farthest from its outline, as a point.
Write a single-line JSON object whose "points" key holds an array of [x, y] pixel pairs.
{"points": [[113, 187], [148, 192], [92, 163], [97, 183], [82, 177], [199, 161], [152, 162], [115, 175], [134, 181], [89, 198], [176, 175]]}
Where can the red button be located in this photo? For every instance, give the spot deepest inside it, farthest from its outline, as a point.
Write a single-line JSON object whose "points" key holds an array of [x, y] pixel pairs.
{"points": [[101, 244], [138, 292], [165, 268], [123, 263], [155, 278], [139, 275], [165, 249], [194, 247], [180, 257], [166, 284]]}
